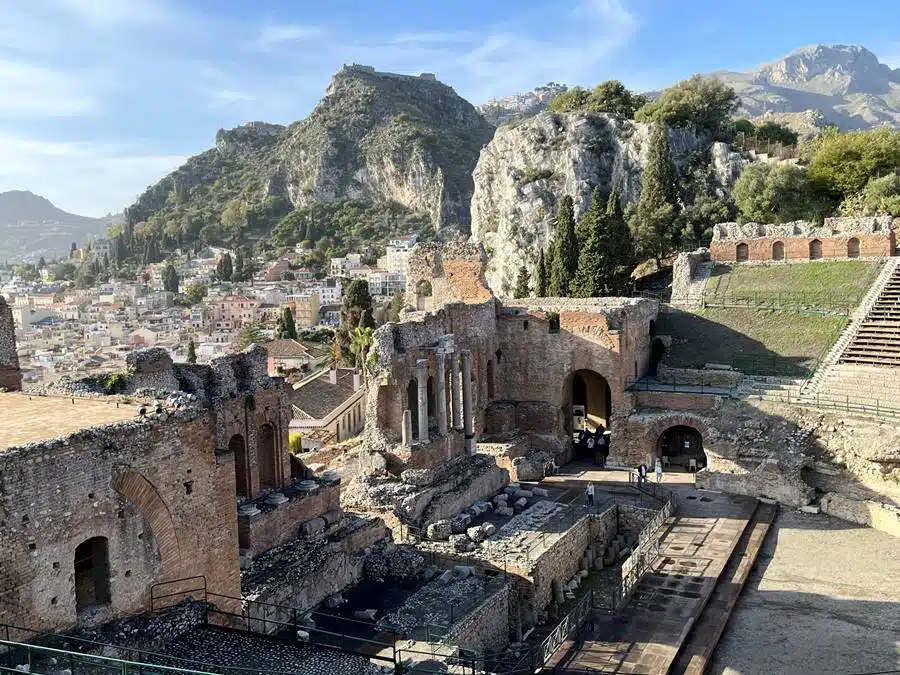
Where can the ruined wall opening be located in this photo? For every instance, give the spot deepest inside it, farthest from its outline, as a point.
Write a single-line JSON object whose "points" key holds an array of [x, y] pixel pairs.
{"points": [[412, 404], [778, 250], [238, 448], [815, 250], [853, 248], [490, 380], [591, 401], [432, 401], [742, 253], [92, 574], [423, 295], [657, 352], [681, 448], [267, 457]]}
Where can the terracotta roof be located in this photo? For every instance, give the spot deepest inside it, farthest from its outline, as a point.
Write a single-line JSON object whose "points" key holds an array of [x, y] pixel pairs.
{"points": [[286, 349], [316, 349], [318, 397]]}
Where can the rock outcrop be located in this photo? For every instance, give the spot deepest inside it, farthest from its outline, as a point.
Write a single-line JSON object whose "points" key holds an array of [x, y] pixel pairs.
{"points": [[530, 165]]}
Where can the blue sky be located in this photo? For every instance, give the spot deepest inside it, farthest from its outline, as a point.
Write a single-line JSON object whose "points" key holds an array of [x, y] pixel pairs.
{"points": [[100, 98]]}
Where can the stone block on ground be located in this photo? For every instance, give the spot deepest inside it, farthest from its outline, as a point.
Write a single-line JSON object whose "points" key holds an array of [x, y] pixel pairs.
{"points": [[540, 492], [476, 533], [460, 523], [312, 527], [365, 614], [440, 530], [460, 542], [489, 529]]}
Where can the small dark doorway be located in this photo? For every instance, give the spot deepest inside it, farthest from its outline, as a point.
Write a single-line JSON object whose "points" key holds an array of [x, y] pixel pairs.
{"points": [[778, 250], [742, 254], [432, 401], [238, 448], [657, 352], [267, 458], [815, 250], [681, 447], [412, 403], [92, 574], [853, 248]]}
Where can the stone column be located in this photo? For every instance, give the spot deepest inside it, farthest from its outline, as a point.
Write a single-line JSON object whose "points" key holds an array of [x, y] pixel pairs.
{"points": [[454, 391], [467, 400], [440, 393], [422, 381], [407, 428]]}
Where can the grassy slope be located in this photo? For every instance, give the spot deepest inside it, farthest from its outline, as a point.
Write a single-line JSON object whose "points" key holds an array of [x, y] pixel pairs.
{"points": [[838, 284], [754, 341]]}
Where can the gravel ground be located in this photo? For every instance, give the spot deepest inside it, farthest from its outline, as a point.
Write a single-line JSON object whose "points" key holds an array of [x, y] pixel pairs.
{"points": [[823, 599]]}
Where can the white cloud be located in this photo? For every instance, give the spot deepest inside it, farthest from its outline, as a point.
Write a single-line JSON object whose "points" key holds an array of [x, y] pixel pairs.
{"points": [[83, 178], [116, 13], [32, 90], [277, 34]]}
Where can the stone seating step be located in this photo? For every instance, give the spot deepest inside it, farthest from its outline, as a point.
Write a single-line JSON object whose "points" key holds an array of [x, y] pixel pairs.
{"points": [[707, 631]]}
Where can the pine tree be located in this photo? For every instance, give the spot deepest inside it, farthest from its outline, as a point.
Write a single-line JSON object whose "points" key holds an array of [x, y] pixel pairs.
{"points": [[595, 267], [622, 245], [72, 250], [191, 352], [653, 223], [564, 261], [522, 290], [540, 277]]}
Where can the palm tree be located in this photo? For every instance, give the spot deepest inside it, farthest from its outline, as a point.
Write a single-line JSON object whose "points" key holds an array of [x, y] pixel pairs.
{"points": [[360, 345]]}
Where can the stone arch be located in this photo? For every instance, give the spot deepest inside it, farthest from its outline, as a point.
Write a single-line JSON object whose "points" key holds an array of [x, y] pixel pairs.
{"points": [[141, 493], [92, 574], [853, 248], [681, 447], [742, 252], [778, 250], [590, 390], [815, 249], [237, 446], [267, 457]]}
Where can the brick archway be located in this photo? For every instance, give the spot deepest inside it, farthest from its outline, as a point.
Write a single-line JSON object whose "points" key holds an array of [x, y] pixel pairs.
{"points": [[139, 492]]}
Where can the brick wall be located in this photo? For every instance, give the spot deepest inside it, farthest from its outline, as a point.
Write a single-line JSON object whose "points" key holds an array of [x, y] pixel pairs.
{"points": [[10, 375], [270, 528], [674, 400], [487, 628], [155, 490], [798, 248]]}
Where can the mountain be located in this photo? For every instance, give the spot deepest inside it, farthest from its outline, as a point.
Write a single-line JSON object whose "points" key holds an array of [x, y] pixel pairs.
{"points": [[512, 108], [407, 140], [846, 83], [31, 227]]}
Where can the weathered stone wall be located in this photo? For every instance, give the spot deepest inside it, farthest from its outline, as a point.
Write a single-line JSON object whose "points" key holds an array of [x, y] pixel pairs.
{"points": [[633, 519], [668, 400], [767, 481], [455, 272], [802, 228], [10, 375], [683, 271], [880, 516], [154, 489], [487, 628]]}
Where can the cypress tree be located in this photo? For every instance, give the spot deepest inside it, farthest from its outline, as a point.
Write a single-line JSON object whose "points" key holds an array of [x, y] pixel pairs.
{"points": [[224, 268], [596, 267], [653, 225], [622, 245], [289, 329], [522, 283], [191, 352], [540, 277], [564, 262]]}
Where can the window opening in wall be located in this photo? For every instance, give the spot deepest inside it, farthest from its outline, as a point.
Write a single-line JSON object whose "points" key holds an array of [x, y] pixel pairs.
{"points": [[237, 447], [778, 250], [92, 573], [815, 249], [32, 546], [525, 325], [189, 487], [853, 248], [553, 322], [742, 253], [56, 565]]}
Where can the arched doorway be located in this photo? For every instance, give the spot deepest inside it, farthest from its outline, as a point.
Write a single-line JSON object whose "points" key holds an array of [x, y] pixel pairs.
{"points": [[92, 574], [815, 250], [238, 448], [412, 404], [853, 248], [681, 448], [657, 352], [591, 401], [742, 253], [778, 250], [267, 457]]}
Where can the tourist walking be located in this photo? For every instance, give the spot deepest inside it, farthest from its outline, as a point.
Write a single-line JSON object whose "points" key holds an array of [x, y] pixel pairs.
{"points": [[589, 491], [590, 442], [642, 473], [659, 470], [583, 437], [602, 446]]}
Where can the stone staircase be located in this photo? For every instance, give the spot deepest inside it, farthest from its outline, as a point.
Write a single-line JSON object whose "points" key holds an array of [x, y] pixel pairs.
{"points": [[694, 296], [888, 278]]}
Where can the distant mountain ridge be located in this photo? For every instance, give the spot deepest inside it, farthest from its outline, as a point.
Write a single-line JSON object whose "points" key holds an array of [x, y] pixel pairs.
{"points": [[846, 83], [31, 227]]}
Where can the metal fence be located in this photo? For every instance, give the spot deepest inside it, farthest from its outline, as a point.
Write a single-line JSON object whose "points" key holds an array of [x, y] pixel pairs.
{"points": [[706, 382], [862, 405], [817, 302]]}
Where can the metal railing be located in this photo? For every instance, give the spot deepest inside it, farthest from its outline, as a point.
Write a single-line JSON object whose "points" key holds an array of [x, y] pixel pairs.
{"points": [[704, 383], [570, 623], [861, 405], [814, 302]]}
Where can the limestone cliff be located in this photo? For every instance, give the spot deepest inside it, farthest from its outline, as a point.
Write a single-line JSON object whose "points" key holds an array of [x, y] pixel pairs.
{"points": [[530, 165]]}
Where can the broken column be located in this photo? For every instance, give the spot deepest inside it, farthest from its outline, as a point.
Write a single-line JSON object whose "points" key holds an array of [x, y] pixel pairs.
{"points": [[407, 428], [422, 382], [440, 392], [454, 391], [467, 400]]}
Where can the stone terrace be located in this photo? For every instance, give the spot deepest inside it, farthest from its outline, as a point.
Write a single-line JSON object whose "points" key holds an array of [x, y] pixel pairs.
{"points": [[29, 419]]}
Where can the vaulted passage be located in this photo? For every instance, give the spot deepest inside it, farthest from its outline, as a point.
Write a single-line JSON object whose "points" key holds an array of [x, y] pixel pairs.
{"points": [[238, 448], [412, 404], [591, 400], [92, 573], [267, 457], [681, 447]]}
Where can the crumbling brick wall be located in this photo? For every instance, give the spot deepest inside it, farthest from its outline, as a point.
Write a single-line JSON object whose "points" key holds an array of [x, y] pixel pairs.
{"points": [[10, 374]]}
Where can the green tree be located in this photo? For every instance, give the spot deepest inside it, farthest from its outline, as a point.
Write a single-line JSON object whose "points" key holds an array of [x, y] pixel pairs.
{"points": [[564, 260], [767, 193], [234, 217], [251, 334], [360, 344], [396, 306], [541, 277], [607, 97], [776, 133], [620, 245], [195, 293], [522, 279], [239, 272], [842, 164], [42, 263], [704, 102], [170, 279], [356, 304], [653, 221], [191, 352], [571, 100], [880, 196], [286, 329], [224, 268], [64, 271], [596, 267]]}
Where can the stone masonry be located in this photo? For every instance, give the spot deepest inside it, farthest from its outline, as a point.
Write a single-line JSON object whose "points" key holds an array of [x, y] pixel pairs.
{"points": [[10, 375]]}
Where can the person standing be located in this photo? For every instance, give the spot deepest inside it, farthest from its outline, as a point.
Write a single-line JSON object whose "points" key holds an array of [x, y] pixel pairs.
{"points": [[659, 471], [602, 446], [589, 491], [583, 437], [590, 444], [642, 473]]}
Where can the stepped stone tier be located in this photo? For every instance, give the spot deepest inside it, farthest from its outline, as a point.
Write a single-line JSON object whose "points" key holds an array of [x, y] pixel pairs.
{"points": [[838, 238]]}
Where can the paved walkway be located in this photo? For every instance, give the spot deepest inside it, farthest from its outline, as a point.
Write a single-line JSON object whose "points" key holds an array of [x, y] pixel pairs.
{"points": [[694, 549]]}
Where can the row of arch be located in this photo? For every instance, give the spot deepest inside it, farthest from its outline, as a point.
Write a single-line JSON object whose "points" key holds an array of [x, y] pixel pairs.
{"points": [[742, 250], [267, 460]]}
